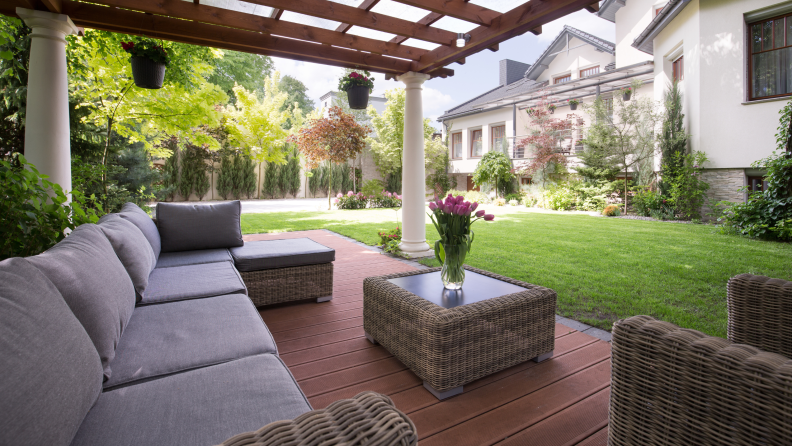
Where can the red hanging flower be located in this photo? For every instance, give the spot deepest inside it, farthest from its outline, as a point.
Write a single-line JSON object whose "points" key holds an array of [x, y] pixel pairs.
{"points": [[127, 45]]}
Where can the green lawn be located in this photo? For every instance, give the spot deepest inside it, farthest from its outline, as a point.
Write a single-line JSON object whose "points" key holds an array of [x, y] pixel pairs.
{"points": [[602, 269]]}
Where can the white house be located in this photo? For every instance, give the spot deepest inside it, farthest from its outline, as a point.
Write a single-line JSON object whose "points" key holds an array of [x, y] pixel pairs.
{"points": [[733, 61]]}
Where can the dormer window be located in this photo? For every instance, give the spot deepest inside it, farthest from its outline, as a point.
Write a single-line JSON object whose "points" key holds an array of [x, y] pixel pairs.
{"points": [[589, 71], [562, 79]]}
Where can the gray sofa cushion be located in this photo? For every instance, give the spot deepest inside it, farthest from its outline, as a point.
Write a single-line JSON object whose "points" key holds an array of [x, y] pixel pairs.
{"points": [[132, 248], [200, 407], [193, 281], [189, 227], [168, 259], [51, 373], [94, 284], [269, 254], [141, 219], [178, 336]]}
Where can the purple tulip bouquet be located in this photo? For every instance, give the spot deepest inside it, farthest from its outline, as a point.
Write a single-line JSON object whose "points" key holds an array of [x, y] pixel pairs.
{"points": [[453, 218]]}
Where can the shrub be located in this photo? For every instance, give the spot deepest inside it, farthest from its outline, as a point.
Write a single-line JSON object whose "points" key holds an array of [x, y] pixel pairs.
{"points": [[386, 236], [385, 200], [688, 190], [513, 202], [611, 210], [511, 197], [499, 202], [373, 187], [560, 197], [645, 201], [351, 201], [392, 247], [475, 197], [34, 212], [529, 201]]}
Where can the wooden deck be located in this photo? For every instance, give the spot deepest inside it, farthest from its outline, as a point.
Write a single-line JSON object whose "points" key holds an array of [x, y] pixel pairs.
{"points": [[561, 401]]}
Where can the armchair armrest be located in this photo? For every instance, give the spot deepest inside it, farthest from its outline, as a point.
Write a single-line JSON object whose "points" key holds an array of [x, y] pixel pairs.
{"points": [[760, 313], [367, 419]]}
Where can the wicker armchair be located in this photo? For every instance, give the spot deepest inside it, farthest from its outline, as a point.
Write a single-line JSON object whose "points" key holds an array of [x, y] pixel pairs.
{"points": [[367, 419], [674, 386]]}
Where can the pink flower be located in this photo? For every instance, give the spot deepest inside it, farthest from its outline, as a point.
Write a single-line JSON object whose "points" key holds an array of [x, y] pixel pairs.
{"points": [[473, 206], [350, 193], [432, 206], [335, 200], [460, 199], [339, 195], [489, 217], [480, 213]]}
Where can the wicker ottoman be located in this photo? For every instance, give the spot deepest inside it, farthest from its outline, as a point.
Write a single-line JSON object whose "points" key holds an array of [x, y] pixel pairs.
{"points": [[451, 338], [277, 271]]}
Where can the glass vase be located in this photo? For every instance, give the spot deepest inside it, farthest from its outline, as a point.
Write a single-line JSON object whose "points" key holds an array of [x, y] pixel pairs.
{"points": [[453, 273]]}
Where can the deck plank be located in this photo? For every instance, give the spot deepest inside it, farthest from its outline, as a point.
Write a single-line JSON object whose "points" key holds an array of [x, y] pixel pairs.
{"points": [[561, 401]]}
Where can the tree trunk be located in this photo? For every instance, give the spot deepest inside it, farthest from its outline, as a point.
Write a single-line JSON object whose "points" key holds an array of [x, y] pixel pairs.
{"points": [[258, 182], [625, 190], [330, 187]]}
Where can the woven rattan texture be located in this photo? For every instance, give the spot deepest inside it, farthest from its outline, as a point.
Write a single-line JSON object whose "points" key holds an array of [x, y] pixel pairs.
{"points": [[674, 386], [760, 313], [273, 286], [367, 419], [452, 347]]}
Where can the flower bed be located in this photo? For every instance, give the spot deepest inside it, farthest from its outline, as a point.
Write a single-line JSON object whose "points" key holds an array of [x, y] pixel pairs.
{"points": [[359, 201]]}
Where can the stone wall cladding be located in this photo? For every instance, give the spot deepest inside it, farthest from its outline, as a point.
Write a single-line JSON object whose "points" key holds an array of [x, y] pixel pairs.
{"points": [[724, 185]]}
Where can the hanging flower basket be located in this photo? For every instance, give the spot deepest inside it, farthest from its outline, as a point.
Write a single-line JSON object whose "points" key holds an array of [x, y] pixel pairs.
{"points": [[147, 73], [573, 103], [626, 94], [551, 108], [149, 59], [358, 87]]}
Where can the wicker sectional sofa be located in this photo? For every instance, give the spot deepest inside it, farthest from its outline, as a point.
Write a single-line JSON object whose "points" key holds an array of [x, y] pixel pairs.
{"points": [[131, 332]]}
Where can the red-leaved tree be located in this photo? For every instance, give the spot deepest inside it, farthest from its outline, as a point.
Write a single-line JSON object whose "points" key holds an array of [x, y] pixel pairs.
{"points": [[335, 138], [545, 134]]}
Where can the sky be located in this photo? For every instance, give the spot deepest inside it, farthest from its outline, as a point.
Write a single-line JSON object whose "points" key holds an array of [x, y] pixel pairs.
{"points": [[478, 75]]}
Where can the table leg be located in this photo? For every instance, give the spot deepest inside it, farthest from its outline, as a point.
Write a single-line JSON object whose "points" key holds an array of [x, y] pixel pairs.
{"points": [[443, 395], [541, 358], [372, 340]]}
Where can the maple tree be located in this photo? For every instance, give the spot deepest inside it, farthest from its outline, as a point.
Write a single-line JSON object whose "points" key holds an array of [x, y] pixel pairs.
{"points": [[336, 138], [545, 136]]}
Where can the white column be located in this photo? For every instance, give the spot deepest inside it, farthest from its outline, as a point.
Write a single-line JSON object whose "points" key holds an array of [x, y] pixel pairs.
{"points": [[47, 118], [413, 242]]}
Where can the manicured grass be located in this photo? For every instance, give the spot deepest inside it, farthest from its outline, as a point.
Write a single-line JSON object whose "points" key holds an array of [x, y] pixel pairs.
{"points": [[602, 269]]}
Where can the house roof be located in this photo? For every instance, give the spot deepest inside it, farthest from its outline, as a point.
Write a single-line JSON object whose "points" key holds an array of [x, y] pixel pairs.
{"points": [[560, 43], [608, 9], [527, 84], [645, 41]]}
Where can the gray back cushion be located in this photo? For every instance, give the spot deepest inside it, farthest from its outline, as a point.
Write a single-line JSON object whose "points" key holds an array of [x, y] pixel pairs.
{"points": [[51, 373], [132, 248], [141, 219], [94, 284], [188, 227]]}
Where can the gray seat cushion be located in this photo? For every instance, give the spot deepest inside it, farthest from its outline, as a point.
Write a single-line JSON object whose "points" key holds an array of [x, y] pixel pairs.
{"points": [[193, 281], [178, 336], [132, 248], [190, 226], [269, 254], [94, 284], [51, 373], [141, 219], [200, 407], [168, 259]]}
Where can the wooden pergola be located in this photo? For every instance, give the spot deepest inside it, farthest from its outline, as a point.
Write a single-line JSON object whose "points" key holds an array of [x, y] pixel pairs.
{"points": [[200, 24], [241, 26]]}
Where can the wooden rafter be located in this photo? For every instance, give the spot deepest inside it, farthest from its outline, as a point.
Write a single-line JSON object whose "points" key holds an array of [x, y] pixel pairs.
{"points": [[118, 20], [338, 12], [426, 21], [250, 22], [459, 9], [366, 5], [519, 20], [53, 5]]}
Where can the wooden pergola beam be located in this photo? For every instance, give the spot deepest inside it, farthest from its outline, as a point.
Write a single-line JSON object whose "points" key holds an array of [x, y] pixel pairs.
{"points": [[357, 17], [426, 20], [459, 9], [519, 20], [53, 5], [366, 5], [250, 22], [118, 20]]}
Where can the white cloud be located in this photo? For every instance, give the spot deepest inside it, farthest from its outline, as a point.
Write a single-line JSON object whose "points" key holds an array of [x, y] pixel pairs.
{"points": [[435, 103], [582, 20]]}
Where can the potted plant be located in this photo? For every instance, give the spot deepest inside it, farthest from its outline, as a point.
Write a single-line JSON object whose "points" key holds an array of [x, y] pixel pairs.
{"points": [[358, 87], [551, 108], [626, 93], [149, 59], [530, 111], [573, 103]]}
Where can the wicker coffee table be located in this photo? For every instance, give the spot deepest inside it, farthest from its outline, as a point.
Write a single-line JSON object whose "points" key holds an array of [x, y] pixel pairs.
{"points": [[451, 338]]}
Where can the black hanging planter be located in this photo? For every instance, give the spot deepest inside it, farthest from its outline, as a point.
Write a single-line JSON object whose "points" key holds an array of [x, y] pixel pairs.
{"points": [[551, 110], [358, 97], [626, 95], [147, 73], [572, 106]]}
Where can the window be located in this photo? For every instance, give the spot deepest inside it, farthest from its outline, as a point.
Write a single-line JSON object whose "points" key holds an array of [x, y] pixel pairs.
{"points": [[589, 71], [770, 64], [456, 145], [756, 184], [678, 68], [562, 79], [498, 136], [526, 181], [519, 152], [476, 149]]}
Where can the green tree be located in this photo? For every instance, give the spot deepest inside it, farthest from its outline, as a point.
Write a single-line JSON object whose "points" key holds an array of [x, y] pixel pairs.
{"points": [[292, 169], [673, 139], [297, 93], [225, 176], [271, 184], [493, 167], [244, 69]]}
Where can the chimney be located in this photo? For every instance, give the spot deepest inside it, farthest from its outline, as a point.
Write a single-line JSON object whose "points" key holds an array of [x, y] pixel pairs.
{"points": [[512, 71]]}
